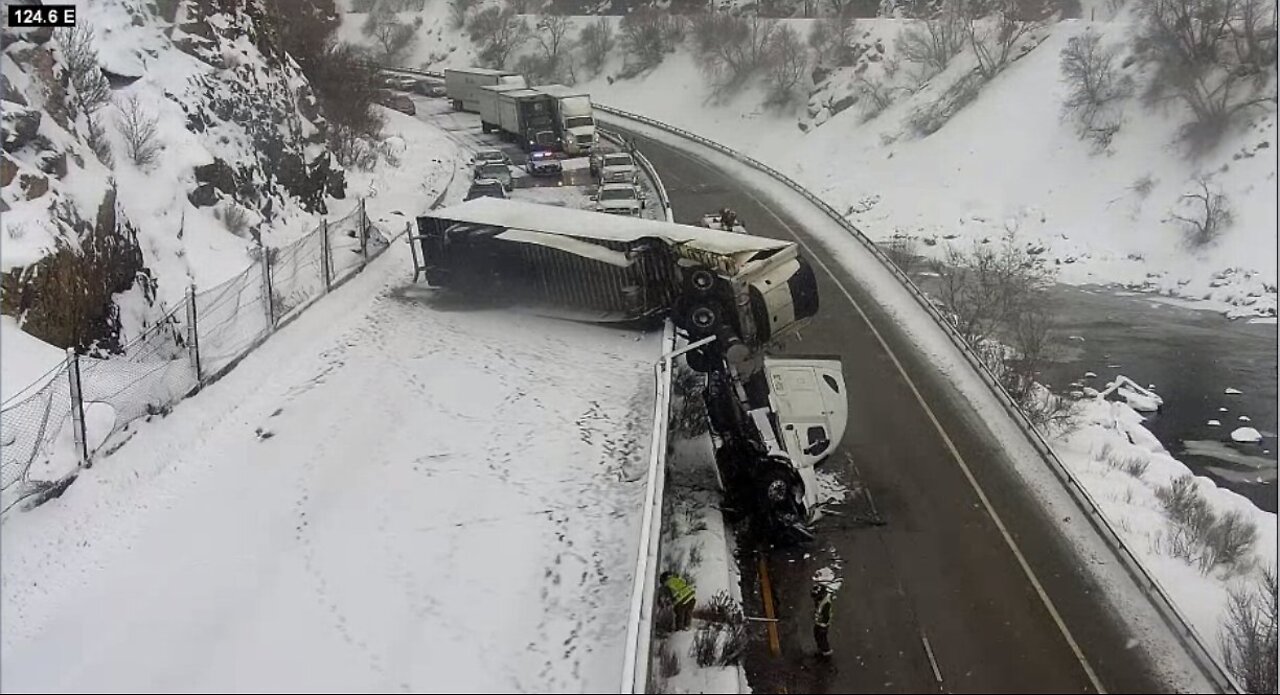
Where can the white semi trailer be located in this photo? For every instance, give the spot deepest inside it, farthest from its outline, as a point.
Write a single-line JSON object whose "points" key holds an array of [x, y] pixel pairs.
{"points": [[462, 85]]}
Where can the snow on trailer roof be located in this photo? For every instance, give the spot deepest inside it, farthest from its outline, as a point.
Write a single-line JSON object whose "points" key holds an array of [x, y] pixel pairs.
{"points": [[551, 219]]}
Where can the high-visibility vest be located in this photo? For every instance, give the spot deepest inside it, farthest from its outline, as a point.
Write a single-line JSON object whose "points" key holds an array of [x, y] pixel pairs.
{"points": [[680, 590], [822, 610]]}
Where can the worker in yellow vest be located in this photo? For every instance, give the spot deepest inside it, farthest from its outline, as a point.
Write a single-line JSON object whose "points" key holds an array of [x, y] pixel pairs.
{"points": [[681, 594], [823, 597]]}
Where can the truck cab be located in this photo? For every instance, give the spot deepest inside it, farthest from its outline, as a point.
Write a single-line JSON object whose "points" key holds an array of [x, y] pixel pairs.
{"points": [[771, 430], [574, 118]]}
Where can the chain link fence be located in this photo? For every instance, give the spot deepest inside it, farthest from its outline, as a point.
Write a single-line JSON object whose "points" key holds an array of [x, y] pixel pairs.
{"points": [[85, 406]]}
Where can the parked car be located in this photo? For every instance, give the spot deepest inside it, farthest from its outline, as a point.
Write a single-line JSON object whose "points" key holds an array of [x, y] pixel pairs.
{"points": [[543, 164], [396, 100], [429, 88], [614, 167], [496, 171], [486, 188], [619, 199], [490, 155]]}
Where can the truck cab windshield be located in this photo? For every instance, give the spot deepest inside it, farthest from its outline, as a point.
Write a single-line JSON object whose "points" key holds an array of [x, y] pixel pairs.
{"points": [[618, 160], [578, 121]]}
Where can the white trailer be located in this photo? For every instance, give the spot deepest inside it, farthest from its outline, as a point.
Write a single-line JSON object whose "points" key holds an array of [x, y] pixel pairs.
{"points": [[488, 98], [462, 85], [574, 118]]}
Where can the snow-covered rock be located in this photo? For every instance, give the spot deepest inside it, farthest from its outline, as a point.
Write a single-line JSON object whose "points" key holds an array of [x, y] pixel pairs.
{"points": [[1214, 423], [1246, 434], [1243, 418], [1232, 391]]}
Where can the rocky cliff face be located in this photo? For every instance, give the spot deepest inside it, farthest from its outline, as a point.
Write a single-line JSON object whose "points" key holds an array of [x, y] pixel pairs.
{"points": [[98, 244]]}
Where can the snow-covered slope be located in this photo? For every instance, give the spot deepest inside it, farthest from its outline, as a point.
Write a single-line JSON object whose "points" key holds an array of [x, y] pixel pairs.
{"points": [[391, 494], [240, 158]]}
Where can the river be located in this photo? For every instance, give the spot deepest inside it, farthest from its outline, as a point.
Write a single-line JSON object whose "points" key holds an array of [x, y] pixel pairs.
{"points": [[1192, 356]]}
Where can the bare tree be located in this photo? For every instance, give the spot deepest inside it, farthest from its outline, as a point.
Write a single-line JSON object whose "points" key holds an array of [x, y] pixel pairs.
{"points": [[1095, 90], [997, 298], [1249, 636], [1214, 56], [392, 35], [347, 88], [596, 42], [498, 32], [139, 129], [1207, 214], [76, 46], [550, 33], [932, 44], [92, 91], [648, 35], [831, 36], [787, 60], [878, 95], [732, 48], [992, 39], [458, 11]]}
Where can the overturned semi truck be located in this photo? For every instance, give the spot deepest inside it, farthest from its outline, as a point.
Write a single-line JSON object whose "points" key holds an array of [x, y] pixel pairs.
{"points": [[773, 419]]}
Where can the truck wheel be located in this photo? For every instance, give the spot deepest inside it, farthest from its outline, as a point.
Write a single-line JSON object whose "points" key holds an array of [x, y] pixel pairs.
{"points": [[701, 319], [485, 128], [701, 281], [699, 361]]}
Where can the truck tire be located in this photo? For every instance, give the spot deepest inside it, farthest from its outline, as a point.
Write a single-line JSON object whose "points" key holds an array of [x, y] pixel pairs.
{"points": [[700, 281], [701, 319], [700, 361], [485, 128]]}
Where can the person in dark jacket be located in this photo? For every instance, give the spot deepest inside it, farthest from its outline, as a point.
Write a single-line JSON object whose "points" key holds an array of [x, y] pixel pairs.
{"points": [[682, 596], [823, 597]]}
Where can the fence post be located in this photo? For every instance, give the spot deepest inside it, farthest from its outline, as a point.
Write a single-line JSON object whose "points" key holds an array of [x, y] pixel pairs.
{"points": [[364, 233], [324, 253], [266, 287], [77, 407], [193, 335]]}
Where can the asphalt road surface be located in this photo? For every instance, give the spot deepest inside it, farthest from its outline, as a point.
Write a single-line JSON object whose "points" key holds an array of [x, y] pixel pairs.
{"points": [[936, 599]]}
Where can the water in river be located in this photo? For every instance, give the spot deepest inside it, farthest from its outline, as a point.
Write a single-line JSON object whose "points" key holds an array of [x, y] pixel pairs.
{"points": [[1192, 357]]}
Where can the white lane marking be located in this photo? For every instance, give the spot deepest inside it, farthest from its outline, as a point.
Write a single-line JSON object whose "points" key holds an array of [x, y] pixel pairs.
{"points": [[955, 453], [933, 663]]}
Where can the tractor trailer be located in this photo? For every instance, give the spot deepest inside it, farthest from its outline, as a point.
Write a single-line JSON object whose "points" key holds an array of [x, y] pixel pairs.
{"points": [[574, 118], [772, 418], [462, 85]]}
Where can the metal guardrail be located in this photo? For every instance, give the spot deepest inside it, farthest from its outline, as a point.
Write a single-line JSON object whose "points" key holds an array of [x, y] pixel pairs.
{"points": [[636, 654], [1205, 659], [1208, 663]]}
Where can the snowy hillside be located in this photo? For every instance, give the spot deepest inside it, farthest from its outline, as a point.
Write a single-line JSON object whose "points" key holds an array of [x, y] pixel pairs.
{"points": [[228, 152], [1008, 161], [876, 141]]}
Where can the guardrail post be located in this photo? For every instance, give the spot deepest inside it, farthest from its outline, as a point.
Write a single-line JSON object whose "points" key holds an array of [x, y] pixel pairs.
{"points": [[193, 335], [77, 407]]}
